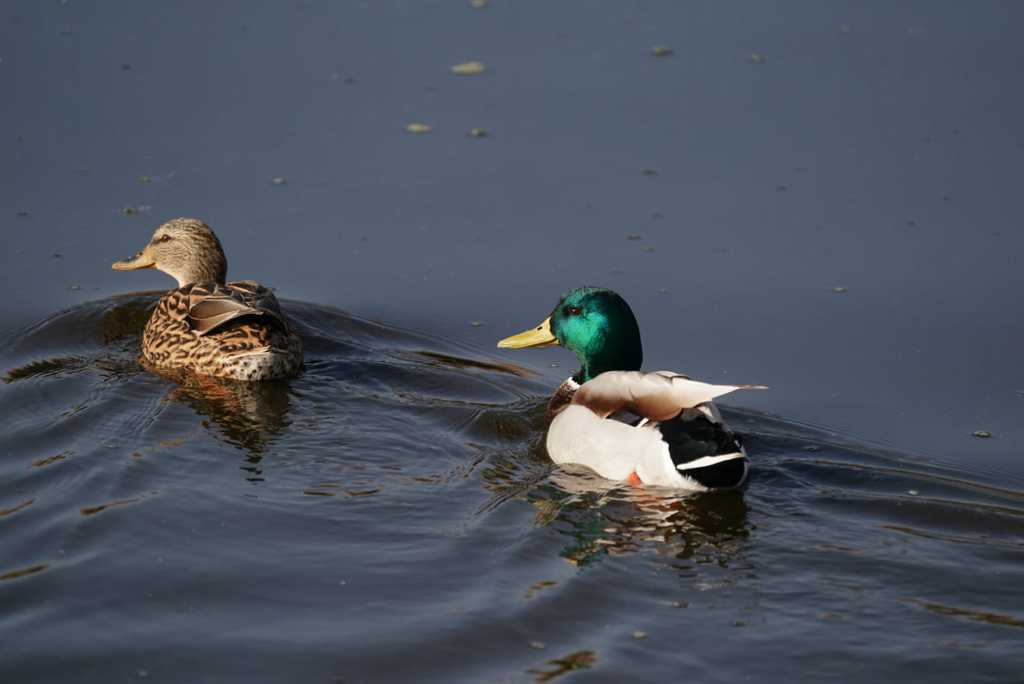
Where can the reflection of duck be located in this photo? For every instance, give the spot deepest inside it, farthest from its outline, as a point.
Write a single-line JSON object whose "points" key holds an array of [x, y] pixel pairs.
{"points": [[603, 518], [621, 520], [680, 440], [248, 414], [230, 330]]}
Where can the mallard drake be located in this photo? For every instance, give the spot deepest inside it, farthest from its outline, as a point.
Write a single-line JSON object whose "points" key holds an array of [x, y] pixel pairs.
{"points": [[206, 325], [656, 428]]}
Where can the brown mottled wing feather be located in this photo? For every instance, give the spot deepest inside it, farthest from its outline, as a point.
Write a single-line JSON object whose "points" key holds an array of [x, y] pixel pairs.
{"points": [[658, 396], [210, 309]]}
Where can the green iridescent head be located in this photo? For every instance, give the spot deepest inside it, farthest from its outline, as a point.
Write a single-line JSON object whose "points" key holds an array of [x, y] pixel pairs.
{"points": [[596, 324]]}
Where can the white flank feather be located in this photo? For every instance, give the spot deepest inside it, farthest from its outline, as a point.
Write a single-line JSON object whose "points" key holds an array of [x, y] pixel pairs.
{"points": [[612, 449], [657, 396]]}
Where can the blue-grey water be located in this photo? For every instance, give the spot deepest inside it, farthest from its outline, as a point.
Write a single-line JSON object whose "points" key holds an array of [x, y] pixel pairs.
{"points": [[821, 197]]}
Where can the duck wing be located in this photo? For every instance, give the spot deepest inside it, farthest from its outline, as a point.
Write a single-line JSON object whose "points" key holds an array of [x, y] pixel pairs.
{"points": [[210, 308], [657, 396], [703, 449]]}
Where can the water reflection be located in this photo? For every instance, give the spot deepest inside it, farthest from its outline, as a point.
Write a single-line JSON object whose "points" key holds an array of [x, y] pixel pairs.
{"points": [[602, 518], [406, 464], [248, 415], [123, 322]]}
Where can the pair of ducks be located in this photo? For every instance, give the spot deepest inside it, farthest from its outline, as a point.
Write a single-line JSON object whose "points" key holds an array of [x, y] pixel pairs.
{"points": [[656, 428]]}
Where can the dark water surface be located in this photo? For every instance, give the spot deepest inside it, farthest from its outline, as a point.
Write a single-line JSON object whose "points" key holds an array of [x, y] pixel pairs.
{"points": [[390, 513], [821, 197]]}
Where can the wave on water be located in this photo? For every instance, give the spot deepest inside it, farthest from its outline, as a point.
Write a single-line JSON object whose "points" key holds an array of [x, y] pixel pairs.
{"points": [[413, 468]]}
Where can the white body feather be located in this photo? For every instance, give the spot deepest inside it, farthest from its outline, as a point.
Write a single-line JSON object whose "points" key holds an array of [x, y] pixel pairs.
{"points": [[583, 433]]}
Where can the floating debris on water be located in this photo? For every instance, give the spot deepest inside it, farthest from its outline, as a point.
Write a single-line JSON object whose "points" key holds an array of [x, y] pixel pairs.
{"points": [[476, 324], [647, 248], [639, 634], [984, 434], [537, 644], [478, 4], [976, 615], [537, 587], [93, 510], [145, 179], [649, 172], [663, 290], [22, 212], [15, 574], [662, 51], [362, 492], [757, 58], [477, 132], [578, 660], [781, 188], [469, 68], [133, 211], [913, 492], [634, 236], [14, 509], [839, 289], [75, 288], [279, 180], [417, 127]]}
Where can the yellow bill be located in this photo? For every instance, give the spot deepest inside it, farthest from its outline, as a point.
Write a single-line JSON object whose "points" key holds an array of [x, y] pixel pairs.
{"points": [[536, 337], [143, 259]]}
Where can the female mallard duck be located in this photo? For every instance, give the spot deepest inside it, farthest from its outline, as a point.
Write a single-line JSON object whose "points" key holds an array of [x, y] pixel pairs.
{"points": [[229, 330], [678, 438]]}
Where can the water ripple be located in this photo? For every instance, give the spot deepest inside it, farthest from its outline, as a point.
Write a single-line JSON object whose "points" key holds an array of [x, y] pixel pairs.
{"points": [[396, 498]]}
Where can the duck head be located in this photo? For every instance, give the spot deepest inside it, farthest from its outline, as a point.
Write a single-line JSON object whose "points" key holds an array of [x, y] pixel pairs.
{"points": [[594, 323], [185, 249]]}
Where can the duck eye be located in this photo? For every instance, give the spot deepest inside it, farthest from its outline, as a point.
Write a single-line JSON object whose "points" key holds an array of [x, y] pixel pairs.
{"points": [[163, 238], [573, 310]]}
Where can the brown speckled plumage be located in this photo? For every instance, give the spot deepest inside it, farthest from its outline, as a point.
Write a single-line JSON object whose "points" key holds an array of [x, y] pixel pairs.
{"points": [[228, 330], [256, 344]]}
